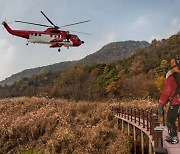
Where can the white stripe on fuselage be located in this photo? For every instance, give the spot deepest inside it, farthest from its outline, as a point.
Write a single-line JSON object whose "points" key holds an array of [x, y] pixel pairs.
{"points": [[45, 39]]}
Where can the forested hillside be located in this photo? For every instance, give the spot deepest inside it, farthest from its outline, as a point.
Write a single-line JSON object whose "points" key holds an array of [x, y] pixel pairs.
{"points": [[111, 52], [139, 76], [34, 71]]}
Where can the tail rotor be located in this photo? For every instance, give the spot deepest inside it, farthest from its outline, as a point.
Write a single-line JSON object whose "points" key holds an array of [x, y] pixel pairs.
{"points": [[10, 22]]}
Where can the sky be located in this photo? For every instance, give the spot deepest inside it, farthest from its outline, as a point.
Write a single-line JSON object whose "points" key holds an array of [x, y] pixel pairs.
{"points": [[111, 21]]}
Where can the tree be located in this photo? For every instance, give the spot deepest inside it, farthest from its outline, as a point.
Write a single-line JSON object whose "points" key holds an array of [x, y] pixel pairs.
{"points": [[160, 82], [112, 88]]}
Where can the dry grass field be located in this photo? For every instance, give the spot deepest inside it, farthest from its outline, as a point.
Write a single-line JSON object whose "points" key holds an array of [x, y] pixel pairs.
{"points": [[42, 125]]}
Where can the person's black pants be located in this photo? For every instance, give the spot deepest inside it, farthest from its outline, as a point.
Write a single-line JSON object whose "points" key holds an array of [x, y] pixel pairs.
{"points": [[173, 113]]}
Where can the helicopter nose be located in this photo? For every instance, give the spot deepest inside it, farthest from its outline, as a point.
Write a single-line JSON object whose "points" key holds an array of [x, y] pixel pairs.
{"points": [[82, 42]]}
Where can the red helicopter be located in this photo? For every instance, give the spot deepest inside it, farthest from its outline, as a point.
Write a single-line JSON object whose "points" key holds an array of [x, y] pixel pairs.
{"points": [[53, 36]]}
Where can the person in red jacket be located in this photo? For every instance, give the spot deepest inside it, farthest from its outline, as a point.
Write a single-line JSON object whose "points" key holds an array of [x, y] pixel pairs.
{"points": [[169, 93]]}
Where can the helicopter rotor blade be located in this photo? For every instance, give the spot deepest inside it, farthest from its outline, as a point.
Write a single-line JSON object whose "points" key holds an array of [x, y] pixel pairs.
{"points": [[75, 23], [24, 22], [79, 32], [49, 19]]}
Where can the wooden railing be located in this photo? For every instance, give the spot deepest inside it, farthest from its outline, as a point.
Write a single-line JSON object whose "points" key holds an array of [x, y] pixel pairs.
{"points": [[148, 121]]}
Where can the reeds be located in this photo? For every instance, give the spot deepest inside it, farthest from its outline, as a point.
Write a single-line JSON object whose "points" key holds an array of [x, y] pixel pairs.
{"points": [[43, 125]]}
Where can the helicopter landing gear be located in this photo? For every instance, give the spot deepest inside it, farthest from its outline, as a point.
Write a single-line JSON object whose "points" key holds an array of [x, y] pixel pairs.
{"points": [[59, 50]]}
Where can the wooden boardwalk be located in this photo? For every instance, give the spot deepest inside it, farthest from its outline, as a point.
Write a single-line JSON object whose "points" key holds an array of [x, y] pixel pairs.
{"points": [[172, 149], [148, 123]]}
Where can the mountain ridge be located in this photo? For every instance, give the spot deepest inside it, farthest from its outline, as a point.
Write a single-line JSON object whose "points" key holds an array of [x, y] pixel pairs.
{"points": [[118, 51]]}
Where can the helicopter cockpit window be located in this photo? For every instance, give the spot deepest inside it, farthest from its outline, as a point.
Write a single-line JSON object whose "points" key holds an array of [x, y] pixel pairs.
{"points": [[76, 37]]}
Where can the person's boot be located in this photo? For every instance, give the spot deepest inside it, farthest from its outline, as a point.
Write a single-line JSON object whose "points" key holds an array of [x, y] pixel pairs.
{"points": [[172, 140]]}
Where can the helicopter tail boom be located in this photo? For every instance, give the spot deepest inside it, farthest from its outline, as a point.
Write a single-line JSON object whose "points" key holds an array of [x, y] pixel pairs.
{"points": [[20, 33]]}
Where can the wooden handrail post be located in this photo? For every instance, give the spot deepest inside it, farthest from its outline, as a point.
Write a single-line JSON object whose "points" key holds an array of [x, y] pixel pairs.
{"points": [[128, 129], [164, 119], [158, 137], [142, 142], [134, 130], [143, 118], [135, 115], [122, 111], [179, 124], [119, 121], [150, 147], [122, 122], [147, 119], [128, 113], [153, 122], [158, 141], [131, 113], [125, 112], [119, 111], [139, 111]]}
